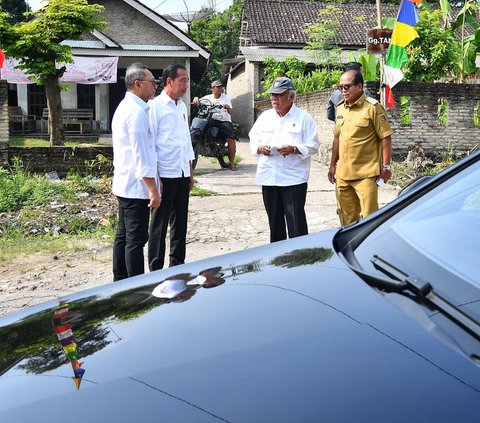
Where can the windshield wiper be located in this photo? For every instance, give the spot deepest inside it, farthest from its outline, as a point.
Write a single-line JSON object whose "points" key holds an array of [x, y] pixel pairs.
{"points": [[424, 292]]}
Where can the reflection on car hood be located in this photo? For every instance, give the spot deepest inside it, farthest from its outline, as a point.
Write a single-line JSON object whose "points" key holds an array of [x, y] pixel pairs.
{"points": [[278, 333]]}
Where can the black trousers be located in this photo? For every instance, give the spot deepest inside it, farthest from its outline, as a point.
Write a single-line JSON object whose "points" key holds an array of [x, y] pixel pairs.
{"points": [[173, 211], [285, 204], [131, 237]]}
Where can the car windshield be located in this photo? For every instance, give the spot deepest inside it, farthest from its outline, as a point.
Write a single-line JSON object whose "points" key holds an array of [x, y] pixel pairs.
{"points": [[436, 238]]}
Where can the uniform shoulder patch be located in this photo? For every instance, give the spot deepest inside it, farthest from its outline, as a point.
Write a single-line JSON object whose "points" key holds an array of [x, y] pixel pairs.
{"points": [[371, 100]]}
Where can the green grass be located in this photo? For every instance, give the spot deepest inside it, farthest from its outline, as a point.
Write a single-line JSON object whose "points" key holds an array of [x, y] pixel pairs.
{"points": [[13, 243], [28, 142], [200, 192], [39, 142], [18, 189], [41, 215], [30, 222], [237, 160]]}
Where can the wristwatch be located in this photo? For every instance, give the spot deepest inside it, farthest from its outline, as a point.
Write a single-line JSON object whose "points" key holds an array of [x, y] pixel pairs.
{"points": [[386, 167]]}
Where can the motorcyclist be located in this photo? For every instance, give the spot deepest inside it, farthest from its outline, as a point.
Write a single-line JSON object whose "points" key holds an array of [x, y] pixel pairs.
{"points": [[222, 119]]}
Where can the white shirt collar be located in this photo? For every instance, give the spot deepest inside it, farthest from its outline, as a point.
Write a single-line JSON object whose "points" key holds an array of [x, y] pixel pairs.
{"points": [[137, 100], [165, 98]]}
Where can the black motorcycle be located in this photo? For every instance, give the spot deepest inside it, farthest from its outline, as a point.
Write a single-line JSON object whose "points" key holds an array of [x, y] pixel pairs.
{"points": [[206, 138]]}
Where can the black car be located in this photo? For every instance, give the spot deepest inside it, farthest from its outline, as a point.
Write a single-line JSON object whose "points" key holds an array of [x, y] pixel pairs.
{"points": [[375, 322]]}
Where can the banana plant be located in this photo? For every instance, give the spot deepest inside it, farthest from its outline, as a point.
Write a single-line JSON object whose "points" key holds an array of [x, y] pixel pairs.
{"points": [[370, 66], [470, 45]]}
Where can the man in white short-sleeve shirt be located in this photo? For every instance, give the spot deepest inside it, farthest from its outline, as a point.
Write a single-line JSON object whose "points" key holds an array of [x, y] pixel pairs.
{"points": [[222, 119]]}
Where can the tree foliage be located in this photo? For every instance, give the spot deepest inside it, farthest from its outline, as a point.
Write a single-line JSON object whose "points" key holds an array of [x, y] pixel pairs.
{"points": [[37, 45], [435, 54], [322, 36], [15, 9], [321, 47], [219, 33], [443, 50], [470, 45], [295, 69]]}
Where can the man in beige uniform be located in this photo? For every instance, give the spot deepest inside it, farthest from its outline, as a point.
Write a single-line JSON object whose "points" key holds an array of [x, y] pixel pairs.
{"points": [[361, 150]]}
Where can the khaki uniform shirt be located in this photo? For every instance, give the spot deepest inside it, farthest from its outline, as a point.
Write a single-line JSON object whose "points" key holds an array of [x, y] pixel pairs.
{"points": [[360, 129]]}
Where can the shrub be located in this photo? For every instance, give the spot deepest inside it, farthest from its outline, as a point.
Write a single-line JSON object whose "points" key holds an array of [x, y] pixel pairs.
{"points": [[17, 189]]}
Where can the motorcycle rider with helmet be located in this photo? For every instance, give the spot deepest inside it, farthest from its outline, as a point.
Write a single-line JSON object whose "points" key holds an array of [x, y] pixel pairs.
{"points": [[222, 120]]}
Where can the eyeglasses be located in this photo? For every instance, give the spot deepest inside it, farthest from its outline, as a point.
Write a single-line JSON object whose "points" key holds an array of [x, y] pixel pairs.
{"points": [[345, 87], [155, 83]]}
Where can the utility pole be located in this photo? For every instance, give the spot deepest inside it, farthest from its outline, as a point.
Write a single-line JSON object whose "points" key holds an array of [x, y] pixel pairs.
{"points": [[382, 56]]}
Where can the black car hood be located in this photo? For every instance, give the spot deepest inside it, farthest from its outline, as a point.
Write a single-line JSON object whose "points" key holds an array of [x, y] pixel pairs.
{"points": [[284, 332]]}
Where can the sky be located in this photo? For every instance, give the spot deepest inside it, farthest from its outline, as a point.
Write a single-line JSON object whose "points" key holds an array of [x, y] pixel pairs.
{"points": [[165, 6]]}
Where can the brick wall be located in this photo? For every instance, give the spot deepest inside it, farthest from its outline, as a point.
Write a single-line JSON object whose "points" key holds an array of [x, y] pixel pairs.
{"points": [[81, 160], [459, 134]]}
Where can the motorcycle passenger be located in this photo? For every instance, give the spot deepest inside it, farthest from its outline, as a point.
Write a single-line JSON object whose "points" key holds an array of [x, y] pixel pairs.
{"points": [[222, 119]]}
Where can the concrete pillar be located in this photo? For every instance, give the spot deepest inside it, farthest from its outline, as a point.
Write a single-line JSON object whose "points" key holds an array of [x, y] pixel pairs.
{"points": [[22, 97], [102, 107], [69, 97]]}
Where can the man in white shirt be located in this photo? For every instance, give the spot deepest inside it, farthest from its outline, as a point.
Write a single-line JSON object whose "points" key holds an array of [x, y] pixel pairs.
{"points": [[222, 119], [174, 155], [284, 138], [134, 175]]}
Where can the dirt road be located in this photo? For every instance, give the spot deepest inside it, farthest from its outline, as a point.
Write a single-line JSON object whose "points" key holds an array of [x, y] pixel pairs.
{"points": [[232, 220]]}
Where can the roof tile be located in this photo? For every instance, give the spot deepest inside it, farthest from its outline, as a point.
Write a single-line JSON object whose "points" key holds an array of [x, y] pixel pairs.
{"points": [[277, 22]]}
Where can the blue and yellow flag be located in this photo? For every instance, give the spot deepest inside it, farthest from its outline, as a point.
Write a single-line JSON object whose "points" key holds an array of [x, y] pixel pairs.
{"points": [[404, 33]]}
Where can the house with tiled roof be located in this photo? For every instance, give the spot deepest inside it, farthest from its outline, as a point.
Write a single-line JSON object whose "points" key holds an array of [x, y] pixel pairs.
{"points": [[276, 28], [135, 33]]}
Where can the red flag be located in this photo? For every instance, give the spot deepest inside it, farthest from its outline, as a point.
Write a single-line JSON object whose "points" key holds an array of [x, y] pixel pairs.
{"points": [[389, 99], [2, 57]]}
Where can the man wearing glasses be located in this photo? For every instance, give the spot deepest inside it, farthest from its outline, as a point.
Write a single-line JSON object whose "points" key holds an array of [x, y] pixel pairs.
{"points": [[361, 150], [135, 170], [337, 95], [284, 138]]}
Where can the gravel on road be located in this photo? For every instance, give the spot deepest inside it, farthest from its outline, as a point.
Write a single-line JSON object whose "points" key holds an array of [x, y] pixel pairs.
{"points": [[233, 219]]}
